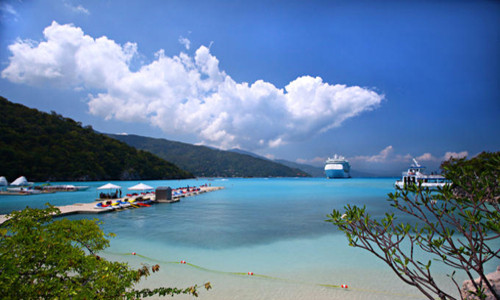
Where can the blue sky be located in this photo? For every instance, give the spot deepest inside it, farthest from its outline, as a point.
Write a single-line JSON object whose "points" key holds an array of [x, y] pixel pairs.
{"points": [[376, 81]]}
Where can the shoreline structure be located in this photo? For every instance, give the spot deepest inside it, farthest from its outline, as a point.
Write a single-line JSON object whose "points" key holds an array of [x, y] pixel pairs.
{"points": [[89, 208]]}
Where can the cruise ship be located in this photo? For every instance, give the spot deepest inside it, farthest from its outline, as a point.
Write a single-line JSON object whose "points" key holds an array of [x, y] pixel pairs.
{"points": [[415, 175], [337, 167]]}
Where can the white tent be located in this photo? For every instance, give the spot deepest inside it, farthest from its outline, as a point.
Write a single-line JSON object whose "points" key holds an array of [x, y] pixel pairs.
{"points": [[140, 187], [20, 181], [109, 186], [3, 181]]}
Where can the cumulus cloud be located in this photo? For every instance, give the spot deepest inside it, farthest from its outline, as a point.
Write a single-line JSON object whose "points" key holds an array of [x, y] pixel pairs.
{"points": [[184, 41], [183, 93]]}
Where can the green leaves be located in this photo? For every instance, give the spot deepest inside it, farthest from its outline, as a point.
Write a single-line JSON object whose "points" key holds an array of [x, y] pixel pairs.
{"points": [[455, 224], [45, 258]]}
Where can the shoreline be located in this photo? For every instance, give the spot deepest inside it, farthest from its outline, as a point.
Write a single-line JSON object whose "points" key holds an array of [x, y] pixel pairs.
{"points": [[89, 208]]}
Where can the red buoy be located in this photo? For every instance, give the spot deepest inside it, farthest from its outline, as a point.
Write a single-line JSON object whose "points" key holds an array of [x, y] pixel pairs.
{"points": [[344, 286], [250, 273], [183, 261], [133, 253]]}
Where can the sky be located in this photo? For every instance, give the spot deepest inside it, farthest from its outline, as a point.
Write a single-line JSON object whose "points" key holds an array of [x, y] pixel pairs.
{"points": [[379, 82]]}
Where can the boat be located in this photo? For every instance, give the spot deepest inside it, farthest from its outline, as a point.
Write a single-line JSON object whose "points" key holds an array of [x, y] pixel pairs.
{"points": [[415, 175], [337, 167], [105, 205], [65, 188], [23, 190]]}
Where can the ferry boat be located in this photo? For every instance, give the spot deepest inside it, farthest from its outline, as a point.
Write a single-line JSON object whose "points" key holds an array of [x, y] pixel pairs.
{"points": [[337, 167], [415, 175]]}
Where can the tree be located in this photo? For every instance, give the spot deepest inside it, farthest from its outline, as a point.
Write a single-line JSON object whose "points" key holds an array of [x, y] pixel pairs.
{"points": [[456, 225], [41, 258]]}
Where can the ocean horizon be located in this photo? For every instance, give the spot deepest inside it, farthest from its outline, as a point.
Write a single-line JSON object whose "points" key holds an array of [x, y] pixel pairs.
{"points": [[272, 227]]}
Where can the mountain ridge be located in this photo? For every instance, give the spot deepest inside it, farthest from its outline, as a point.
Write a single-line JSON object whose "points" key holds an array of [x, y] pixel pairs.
{"points": [[205, 161]]}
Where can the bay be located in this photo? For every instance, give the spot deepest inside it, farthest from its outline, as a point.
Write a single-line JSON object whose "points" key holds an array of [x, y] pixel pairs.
{"points": [[273, 227]]}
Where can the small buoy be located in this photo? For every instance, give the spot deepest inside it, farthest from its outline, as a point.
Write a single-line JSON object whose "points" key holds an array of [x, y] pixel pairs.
{"points": [[344, 286], [250, 273], [133, 253], [183, 261]]}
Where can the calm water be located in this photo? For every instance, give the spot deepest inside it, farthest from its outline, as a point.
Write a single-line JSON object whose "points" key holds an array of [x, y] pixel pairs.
{"points": [[272, 227]]}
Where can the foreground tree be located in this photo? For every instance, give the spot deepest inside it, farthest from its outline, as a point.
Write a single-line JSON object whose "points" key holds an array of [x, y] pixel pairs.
{"points": [[459, 225], [41, 259]]}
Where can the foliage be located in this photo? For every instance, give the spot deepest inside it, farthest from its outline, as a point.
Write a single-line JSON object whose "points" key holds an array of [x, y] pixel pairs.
{"points": [[45, 146], [456, 224], [207, 162], [41, 258]]}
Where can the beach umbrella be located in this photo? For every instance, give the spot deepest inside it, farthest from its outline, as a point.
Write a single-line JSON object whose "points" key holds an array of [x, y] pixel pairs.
{"points": [[109, 186], [140, 187]]}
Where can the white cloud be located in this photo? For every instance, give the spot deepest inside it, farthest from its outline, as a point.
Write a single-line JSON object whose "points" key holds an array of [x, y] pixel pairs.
{"points": [[387, 155], [446, 156], [7, 11], [449, 155], [382, 156], [185, 94], [426, 157], [184, 41], [77, 8]]}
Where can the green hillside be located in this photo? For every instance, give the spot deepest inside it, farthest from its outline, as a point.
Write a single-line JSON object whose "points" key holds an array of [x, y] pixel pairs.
{"points": [[207, 162], [45, 146]]}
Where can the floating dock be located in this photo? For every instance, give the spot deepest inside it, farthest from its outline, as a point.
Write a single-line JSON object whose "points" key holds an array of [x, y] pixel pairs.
{"points": [[89, 208]]}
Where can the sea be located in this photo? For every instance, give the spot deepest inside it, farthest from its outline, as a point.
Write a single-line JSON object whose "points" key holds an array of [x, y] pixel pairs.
{"points": [[273, 228]]}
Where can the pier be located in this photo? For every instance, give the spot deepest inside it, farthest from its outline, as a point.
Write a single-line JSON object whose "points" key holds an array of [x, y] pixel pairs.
{"points": [[89, 208]]}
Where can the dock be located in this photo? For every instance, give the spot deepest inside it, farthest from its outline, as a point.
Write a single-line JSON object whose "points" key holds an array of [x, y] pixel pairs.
{"points": [[89, 208]]}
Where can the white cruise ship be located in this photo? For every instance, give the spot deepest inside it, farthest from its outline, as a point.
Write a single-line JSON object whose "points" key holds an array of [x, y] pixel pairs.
{"points": [[337, 167]]}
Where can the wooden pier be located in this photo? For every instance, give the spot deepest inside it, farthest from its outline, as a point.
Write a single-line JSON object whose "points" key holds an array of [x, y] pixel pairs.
{"points": [[89, 208]]}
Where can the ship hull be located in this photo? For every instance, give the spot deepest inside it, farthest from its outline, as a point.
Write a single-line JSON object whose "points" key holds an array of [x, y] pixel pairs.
{"points": [[336, 174]]}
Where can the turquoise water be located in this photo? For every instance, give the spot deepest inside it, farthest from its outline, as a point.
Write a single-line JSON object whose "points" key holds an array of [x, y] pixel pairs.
{"points": [[272, 227]]}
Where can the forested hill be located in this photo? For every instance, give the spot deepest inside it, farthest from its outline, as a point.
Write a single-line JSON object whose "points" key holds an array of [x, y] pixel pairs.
{"points": [[207, 162], [45, 146]]}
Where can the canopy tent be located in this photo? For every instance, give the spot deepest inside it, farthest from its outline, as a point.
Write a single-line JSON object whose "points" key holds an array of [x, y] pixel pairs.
{"points": [[20, 181], [109, 186], [140, 187], [3, 181]]}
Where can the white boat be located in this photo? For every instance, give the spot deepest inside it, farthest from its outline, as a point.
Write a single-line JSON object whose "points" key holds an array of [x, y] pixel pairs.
{"points": [[23, 190], [64, 188], [337, 167], [415, 175]]}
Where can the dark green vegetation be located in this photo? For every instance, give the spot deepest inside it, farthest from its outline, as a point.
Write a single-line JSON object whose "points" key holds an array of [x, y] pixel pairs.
{"points": [[207, 162], [457, 225], [45, 146], [41, 258]]}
